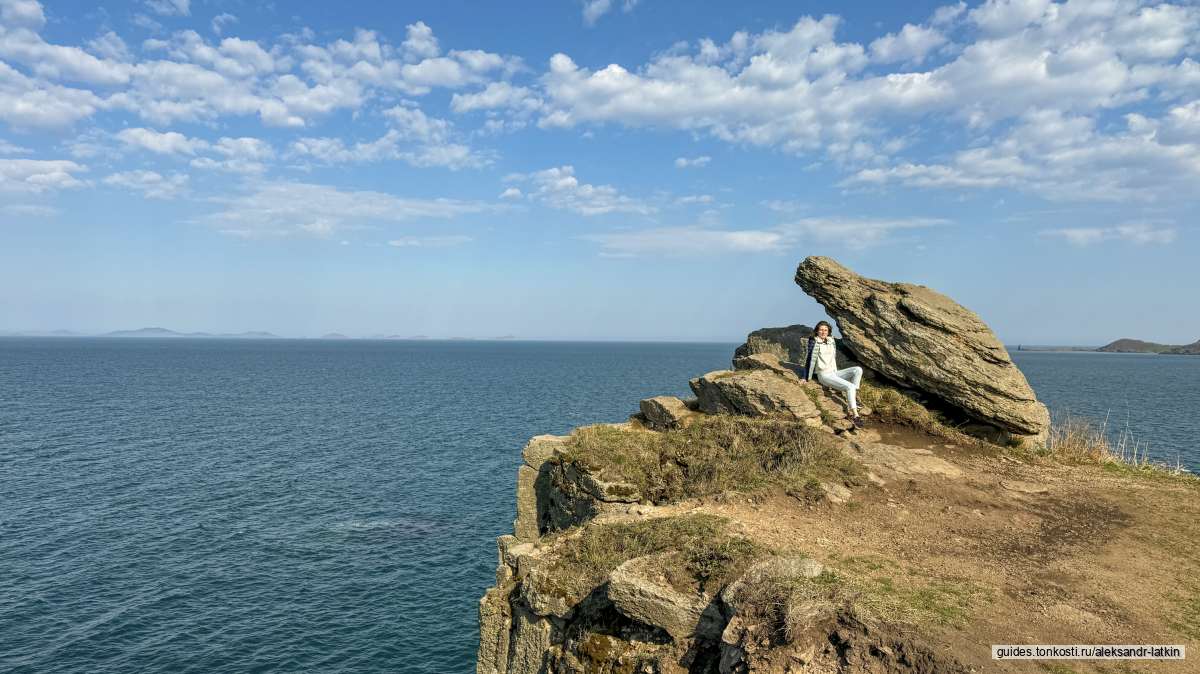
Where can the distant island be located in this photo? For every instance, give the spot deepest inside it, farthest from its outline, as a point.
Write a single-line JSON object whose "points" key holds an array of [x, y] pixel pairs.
{"points": [[1138, 346], [144, 333]]}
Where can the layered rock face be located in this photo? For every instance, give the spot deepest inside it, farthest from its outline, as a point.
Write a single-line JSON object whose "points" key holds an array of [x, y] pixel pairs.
{"points": [[920, 338], [790, 347]]}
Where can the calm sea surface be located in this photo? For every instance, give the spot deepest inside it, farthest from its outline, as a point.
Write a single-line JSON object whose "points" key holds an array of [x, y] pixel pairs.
{"points": [[330, 506]]}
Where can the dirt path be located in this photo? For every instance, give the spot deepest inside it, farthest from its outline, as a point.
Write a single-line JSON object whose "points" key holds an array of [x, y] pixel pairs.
{"points": [[1011, 553]]}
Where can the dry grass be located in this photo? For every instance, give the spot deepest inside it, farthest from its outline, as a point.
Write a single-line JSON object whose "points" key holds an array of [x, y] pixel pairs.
{"points": [[791, 605], [714, 455], [699, 555], [891, 406], [1076, 440]]}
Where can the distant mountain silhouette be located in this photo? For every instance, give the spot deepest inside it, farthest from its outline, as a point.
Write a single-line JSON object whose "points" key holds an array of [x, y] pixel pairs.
{"points": [[334, 335], [1135, 346], [164, 333]]}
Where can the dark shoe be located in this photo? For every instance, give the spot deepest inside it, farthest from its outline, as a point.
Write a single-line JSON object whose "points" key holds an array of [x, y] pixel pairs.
{"points": [[858, 424]]}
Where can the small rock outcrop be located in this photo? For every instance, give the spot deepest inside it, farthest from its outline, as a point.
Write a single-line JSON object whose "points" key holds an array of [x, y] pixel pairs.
{"points": [[665, 412], [754, 393], [636, 590], [920, 338], [786, 344]]}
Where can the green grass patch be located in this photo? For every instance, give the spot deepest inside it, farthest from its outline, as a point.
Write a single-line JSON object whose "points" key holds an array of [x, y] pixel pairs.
{"points": [[697, 553], [713, 455], [1187, 621]]}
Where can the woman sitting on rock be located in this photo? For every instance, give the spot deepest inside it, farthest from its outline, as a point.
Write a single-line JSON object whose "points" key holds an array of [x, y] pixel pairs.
{"points": [[821, 366]]}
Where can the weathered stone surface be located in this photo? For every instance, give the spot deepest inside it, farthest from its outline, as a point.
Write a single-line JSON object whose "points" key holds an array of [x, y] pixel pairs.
{"points": [[504, 544], [540, 593], [526, 524], [495, 622], [786, 344], [541, 449], [529, 644], [754, 393], [665, 412], [708, 396], [610, 492], [636, 590], [569, 503], [918, 337], [902, 460], [835, 492], [766, 361]]}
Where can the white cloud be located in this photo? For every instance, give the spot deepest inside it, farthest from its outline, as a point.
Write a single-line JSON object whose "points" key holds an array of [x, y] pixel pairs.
{"points": [[242, 155], [37, 175], [430, 134], [684, 162], [594, 9], [8, 148], [511, 193], [784, 206], [152, 185], [1064, 157], [430, 241], [22, 14], [1132, 232], [854, 233], [30, 210], [912, 44], [110, 46], [162, 143], [170, 7], [219, 22], [290, 84], [276, 209], [833, 232], [421, 44], [415, 125], [558, 188], [496, 95], [686, 242], [694, 199]]}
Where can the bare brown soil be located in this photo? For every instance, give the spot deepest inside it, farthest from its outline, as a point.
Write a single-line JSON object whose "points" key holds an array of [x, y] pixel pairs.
{"points": [[1098, 559]]}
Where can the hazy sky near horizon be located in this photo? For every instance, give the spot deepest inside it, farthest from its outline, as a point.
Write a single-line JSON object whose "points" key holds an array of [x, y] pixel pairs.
{"points": [[608, 169]]}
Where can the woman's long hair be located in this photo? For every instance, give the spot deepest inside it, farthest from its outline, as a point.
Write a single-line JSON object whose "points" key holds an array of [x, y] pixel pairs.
{"points": [[817, 328]]}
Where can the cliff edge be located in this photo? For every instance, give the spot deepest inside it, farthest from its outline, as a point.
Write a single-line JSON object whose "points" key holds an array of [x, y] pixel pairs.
{"points": [[754, 529]]}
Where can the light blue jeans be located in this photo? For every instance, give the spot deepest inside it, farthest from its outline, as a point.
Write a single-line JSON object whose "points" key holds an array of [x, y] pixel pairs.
{"points": [[844, 380]]}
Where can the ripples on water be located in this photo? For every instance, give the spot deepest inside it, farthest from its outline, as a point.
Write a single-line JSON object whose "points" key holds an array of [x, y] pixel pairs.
{"points": [[201, 506]]}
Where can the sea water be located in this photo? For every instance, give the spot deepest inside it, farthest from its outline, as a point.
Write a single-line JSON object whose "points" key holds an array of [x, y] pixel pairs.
{"points": [[332, 506]]}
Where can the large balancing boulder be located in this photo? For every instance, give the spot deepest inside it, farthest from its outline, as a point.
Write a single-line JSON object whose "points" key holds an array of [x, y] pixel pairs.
{"points": [[923, 339]]}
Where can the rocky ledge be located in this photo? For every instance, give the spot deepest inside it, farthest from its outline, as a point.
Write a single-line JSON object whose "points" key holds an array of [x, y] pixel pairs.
{"points": [[752, 529]]}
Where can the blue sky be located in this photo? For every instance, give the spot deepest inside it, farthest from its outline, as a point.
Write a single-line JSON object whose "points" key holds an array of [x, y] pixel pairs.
{"points": [[595, 170]]}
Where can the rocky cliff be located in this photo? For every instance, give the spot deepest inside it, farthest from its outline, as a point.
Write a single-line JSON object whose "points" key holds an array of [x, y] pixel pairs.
{"points": [[753, 529]]}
